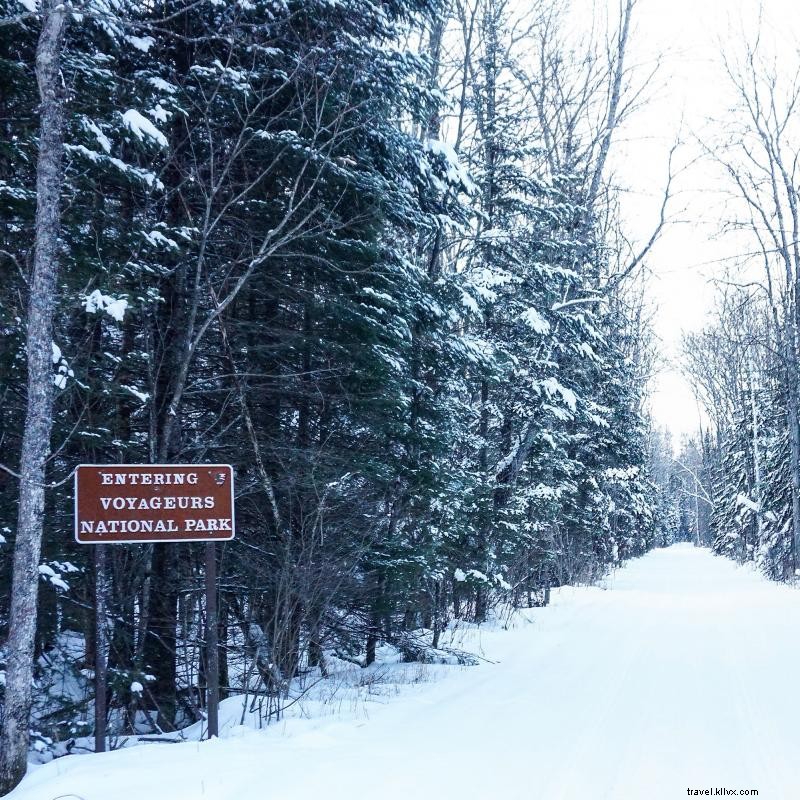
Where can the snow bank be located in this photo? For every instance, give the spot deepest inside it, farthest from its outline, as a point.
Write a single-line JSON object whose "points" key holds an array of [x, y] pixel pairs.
{"points": [[673, 674]]}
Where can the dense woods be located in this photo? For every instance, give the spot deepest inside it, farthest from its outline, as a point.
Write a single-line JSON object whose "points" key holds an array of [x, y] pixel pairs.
{"points": [[370, 254], [744, 364]]}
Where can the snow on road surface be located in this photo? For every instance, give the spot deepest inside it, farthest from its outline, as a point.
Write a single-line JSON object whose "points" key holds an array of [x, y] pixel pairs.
{"points": [[683, 673]]}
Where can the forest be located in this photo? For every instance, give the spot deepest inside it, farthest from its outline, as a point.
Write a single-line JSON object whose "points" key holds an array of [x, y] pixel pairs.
{"points": [[369, 253]]}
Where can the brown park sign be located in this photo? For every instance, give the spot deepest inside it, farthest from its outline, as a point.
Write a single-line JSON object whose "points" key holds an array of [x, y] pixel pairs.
{"points": [[153, 503]]}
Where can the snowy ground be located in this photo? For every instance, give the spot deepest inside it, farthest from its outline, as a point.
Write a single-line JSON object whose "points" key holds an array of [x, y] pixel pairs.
{"points": [[681, 673]]}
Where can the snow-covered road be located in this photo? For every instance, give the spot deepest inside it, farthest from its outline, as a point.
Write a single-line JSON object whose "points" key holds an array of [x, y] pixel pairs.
{"points": [[685, 673]]}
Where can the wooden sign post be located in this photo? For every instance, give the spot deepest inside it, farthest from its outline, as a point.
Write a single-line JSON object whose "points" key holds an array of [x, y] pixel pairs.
{"points": [[150, 503]]}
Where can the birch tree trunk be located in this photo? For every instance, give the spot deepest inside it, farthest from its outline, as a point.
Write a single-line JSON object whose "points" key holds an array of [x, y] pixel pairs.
{"points": [[39, 412], [757, 481]]}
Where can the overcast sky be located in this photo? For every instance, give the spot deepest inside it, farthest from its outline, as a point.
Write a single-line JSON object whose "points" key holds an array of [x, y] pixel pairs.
{"points": [[687, 96]]}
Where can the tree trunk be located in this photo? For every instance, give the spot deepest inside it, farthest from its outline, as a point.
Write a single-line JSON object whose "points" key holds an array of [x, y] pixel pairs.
{"points": [[794, 458], [224, 677], [161, 638], [101, 591], [756, 457], [372, 642], [39, 412]]}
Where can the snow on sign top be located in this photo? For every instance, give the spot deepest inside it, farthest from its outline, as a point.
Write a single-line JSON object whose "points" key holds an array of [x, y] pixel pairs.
{"points": [[127, 503]]}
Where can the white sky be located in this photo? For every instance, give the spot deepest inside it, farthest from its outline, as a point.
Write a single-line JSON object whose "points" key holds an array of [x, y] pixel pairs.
{"points": [[689, 92]]}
